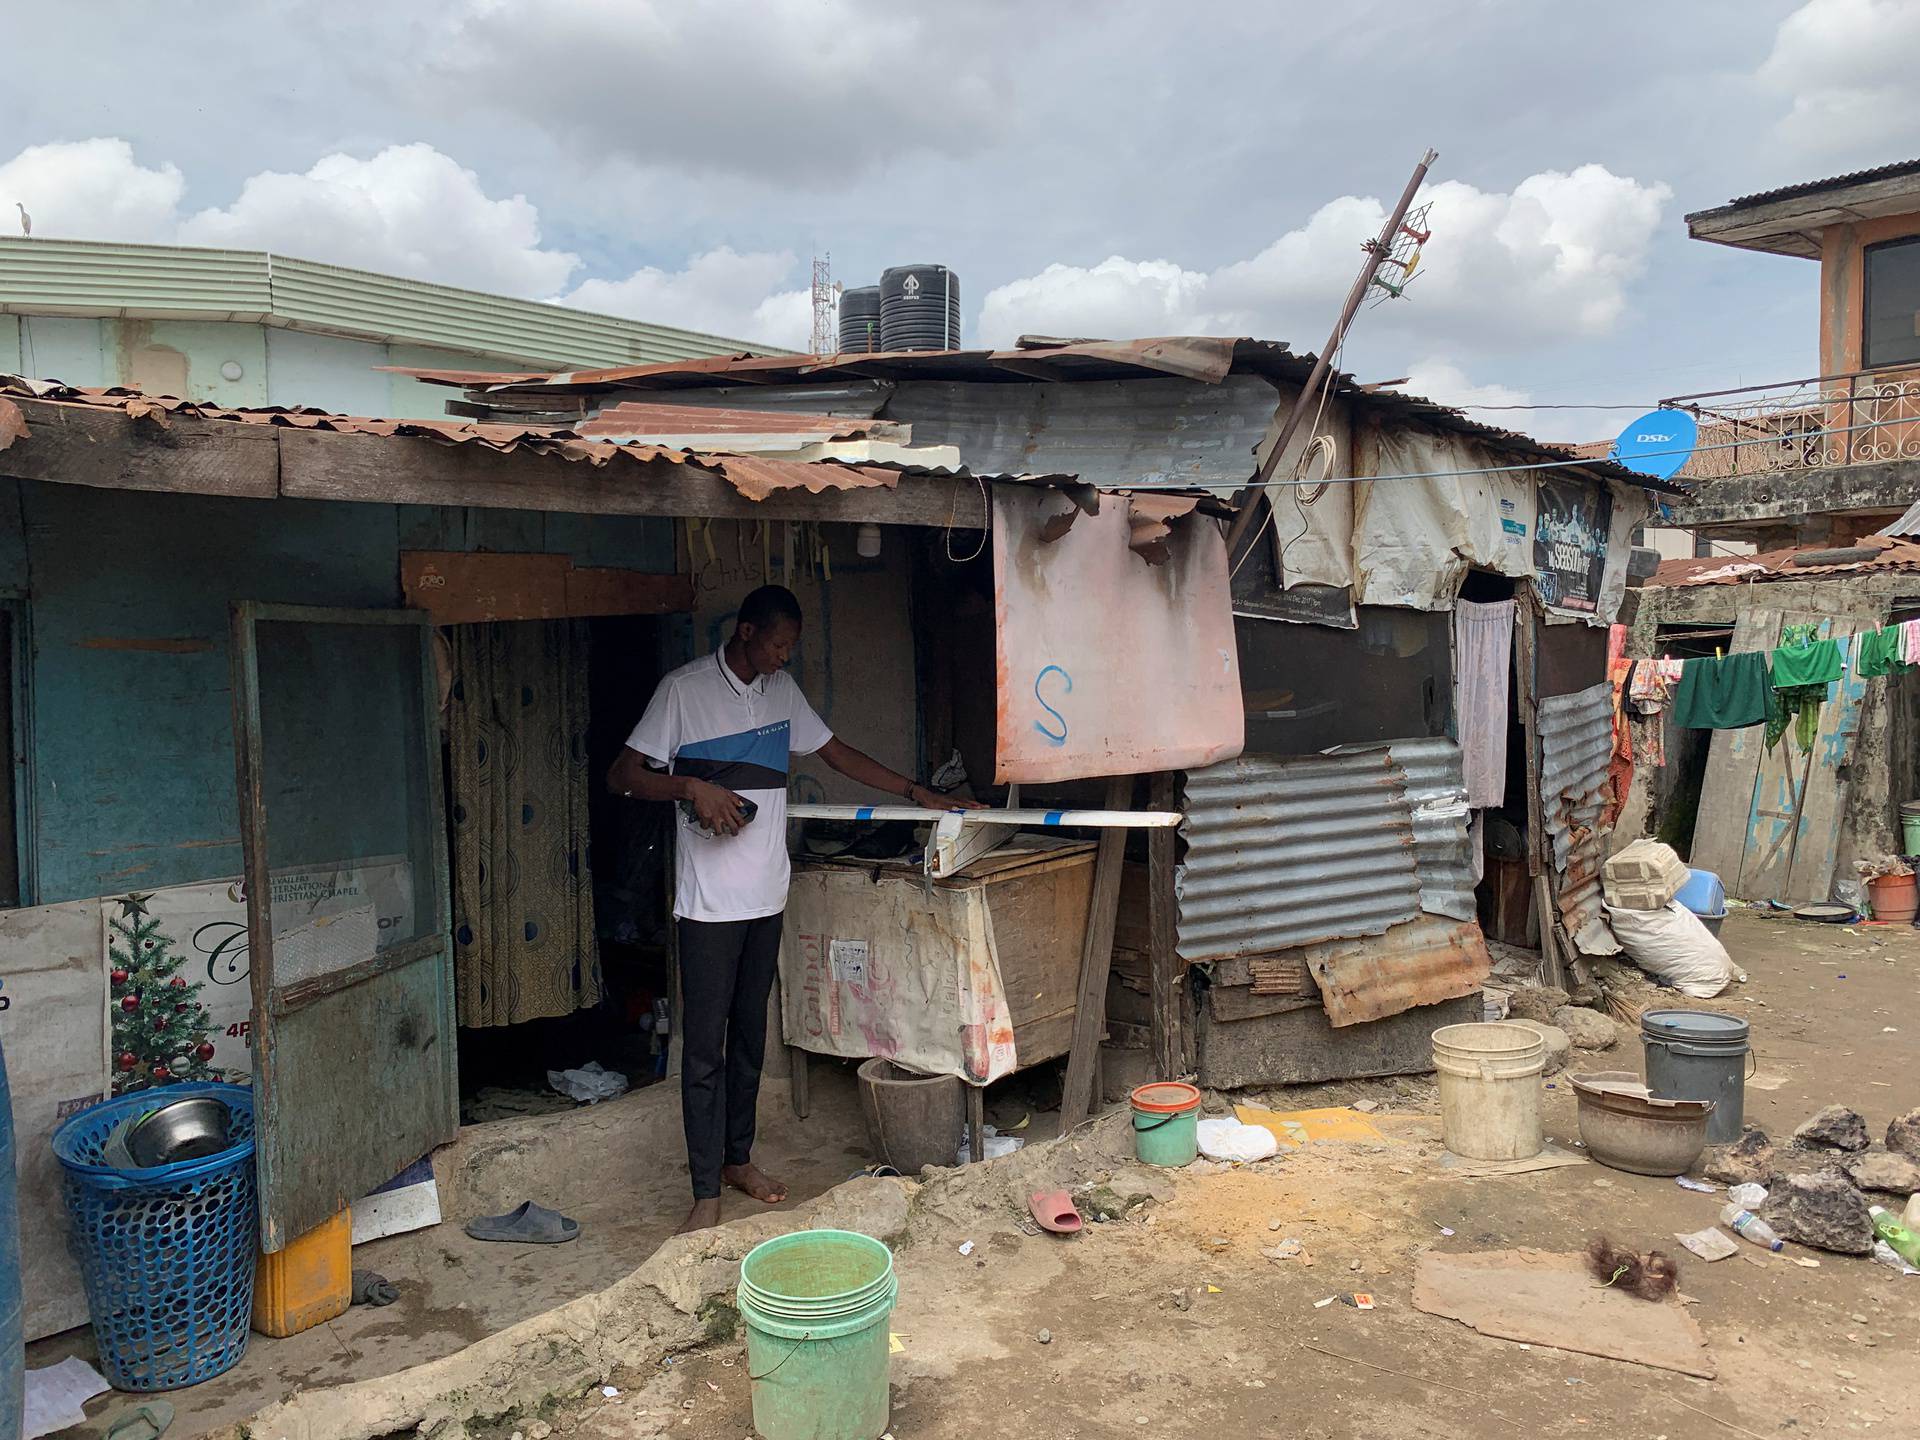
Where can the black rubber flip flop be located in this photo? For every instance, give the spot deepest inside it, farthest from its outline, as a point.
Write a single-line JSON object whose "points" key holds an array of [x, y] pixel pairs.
{"points": [[529, 1224]]}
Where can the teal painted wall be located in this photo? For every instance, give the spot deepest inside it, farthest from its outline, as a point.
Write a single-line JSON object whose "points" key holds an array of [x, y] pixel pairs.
{"points": [[128, 594], [294, 368]]}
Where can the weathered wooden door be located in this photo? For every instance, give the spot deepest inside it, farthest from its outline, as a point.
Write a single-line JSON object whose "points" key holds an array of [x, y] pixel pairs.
{"points": [[336, 720]]}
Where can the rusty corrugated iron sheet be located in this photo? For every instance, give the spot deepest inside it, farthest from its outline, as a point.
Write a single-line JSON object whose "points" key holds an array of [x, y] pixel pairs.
{"points": [[637, 421], [1420, 962], [1204, 358], [1576, 741], [1283, 852], [1768, 565], [752, 476]]}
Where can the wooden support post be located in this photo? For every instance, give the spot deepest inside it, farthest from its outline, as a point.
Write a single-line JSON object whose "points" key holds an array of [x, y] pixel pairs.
{"points": [[1096, 959], [798, 1081], [977, 1123], [1164, 968]]}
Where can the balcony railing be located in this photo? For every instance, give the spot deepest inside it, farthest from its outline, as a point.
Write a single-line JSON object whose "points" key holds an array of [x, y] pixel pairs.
{"points": [[1862, 418]]}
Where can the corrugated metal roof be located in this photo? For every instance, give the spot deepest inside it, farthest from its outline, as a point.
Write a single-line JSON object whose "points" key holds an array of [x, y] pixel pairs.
{"points": [[753, 476], [1769, 565], [1814, 187], [1286, 851], [1576, 743], [1206, 359], [50, 276]]}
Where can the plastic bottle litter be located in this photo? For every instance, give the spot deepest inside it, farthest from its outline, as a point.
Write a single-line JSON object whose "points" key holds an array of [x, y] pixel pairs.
{"points": [[1886, 1255], [1750, 1226], [1748, 1196], [1902, 1241]]}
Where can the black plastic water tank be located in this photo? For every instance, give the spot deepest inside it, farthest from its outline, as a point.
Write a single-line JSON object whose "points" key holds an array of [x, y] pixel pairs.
{"points": [[919, 308], [860, 320]]}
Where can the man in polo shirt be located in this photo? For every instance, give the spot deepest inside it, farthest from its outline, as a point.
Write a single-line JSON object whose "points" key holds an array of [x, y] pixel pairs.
{"points": [[716, 739]]}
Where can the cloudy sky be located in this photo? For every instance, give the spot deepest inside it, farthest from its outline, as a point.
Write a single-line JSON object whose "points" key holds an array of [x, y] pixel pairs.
{"points": [[1126, 168]]}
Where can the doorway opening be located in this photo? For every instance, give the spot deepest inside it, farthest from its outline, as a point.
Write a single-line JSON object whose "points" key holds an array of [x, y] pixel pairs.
{"points": [[1504, 895], [1676, 786], [561, 890]]}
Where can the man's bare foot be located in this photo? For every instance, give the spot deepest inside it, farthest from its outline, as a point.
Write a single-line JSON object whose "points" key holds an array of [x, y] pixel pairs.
{"points": [[748, 1178], [704, 1215]]}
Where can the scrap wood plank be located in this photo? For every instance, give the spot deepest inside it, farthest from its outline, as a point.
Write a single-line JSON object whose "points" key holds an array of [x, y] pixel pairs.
{"points": [[1831, 779], [1096, 958], [104, 446], [1283, 974], [412, 470], [1733, 770], [1780, 791]]}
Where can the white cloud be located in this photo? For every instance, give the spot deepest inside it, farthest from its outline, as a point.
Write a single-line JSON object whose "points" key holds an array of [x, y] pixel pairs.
{"points": [[1115, 299], [802, 95], [1442, 380], [90, 190], [409, 210], [1552, 259], [1847, 66], [721, 293]]}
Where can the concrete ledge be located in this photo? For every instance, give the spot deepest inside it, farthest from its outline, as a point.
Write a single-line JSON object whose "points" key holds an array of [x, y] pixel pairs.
{"points": [[678, 1298], [1793, 494]]}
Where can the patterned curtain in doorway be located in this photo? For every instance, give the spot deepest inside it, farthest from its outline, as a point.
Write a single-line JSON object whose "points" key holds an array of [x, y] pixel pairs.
{"points": [[524, 944]]}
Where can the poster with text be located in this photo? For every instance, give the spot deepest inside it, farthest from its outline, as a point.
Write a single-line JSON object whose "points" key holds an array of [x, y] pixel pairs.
{"points": [[1570, 543], [183, 950]]}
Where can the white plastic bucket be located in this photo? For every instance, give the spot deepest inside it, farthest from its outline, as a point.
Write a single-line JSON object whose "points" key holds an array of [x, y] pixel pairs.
{"points": [[1490, 1090]]}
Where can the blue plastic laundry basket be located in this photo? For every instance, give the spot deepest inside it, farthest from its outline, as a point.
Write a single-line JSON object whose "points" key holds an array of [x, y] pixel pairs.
{"points": [[167, 1253]]}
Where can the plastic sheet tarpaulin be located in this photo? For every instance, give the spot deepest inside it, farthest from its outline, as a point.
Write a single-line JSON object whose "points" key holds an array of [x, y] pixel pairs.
{"points": [[1415, 540]]}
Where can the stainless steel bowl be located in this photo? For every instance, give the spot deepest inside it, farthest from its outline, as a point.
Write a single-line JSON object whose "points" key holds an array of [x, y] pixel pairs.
{"points": [[181, 1130]]}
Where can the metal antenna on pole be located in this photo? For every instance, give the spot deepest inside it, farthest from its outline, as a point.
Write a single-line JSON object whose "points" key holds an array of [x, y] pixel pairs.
{"points": [[1248, 502], [823, 341]]}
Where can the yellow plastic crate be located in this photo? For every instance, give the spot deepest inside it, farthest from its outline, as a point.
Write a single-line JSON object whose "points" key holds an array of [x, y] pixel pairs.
{"points": [[308, 1283]]}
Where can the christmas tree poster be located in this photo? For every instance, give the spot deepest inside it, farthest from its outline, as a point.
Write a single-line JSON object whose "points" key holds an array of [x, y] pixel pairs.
{"points": [[180, 997]]}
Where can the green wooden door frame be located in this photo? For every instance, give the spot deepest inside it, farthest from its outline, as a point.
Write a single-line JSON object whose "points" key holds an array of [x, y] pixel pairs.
{"points": [[351, 1036]]}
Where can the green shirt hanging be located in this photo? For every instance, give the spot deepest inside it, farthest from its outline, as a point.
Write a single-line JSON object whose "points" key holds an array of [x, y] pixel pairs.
{"points": [[1813, 664], [1728, 693], [1879, 654]]}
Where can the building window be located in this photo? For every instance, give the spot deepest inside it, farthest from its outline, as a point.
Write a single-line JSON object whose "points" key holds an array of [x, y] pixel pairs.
{"points": [[1893, 303]]}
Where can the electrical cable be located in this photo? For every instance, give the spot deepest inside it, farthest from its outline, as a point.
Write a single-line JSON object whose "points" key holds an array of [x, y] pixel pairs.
{"points": [[1317, 444], [1509, 469], [986, 527]]}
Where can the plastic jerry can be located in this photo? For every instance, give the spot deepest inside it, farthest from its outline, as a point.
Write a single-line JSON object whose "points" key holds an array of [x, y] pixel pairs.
{"points": [[308, 1283]]}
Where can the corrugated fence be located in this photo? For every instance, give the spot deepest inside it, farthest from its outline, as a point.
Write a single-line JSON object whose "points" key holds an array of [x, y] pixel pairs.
{"points": [[1576, 742]]}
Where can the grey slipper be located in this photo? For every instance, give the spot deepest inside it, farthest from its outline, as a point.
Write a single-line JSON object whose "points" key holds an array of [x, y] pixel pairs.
{"points": [[145, 1422], [529, 1224]]}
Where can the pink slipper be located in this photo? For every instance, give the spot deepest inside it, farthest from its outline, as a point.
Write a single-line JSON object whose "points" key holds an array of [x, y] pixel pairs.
{"points": [[1053, 1211]]}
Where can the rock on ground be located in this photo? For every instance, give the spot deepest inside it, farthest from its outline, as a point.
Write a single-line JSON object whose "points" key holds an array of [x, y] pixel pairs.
{"points": [[1587, 1029], [1879, 1170], [1124, 1192], [1834, 1128], [1559, 1047], [1822, 1210], [1903, 1135], [1535, 1002], [1750, 1158]]}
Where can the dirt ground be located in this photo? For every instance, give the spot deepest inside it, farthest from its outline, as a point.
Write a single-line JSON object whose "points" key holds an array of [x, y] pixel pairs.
{"points": [[1246, 1351]]}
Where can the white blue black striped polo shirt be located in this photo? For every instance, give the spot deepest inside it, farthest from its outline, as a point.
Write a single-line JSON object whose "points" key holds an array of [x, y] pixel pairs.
{"points": [[704, 722]]}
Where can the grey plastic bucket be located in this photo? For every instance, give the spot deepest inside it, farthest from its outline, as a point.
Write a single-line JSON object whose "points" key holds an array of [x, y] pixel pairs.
{"points": [[1699, 1055]]}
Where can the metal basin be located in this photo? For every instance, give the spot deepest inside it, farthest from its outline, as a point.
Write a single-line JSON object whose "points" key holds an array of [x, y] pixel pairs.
{"points": [[180, 1130], [1625, 1127]]}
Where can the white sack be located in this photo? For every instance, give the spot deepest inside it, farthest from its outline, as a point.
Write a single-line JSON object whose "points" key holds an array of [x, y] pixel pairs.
{"points": [[1228, 1139], [1674, 944]]}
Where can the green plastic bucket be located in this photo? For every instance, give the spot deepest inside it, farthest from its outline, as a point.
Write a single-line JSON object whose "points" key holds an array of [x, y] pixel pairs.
{"points": [[1910, 825], [816, 1304], [1166, 1123]]}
